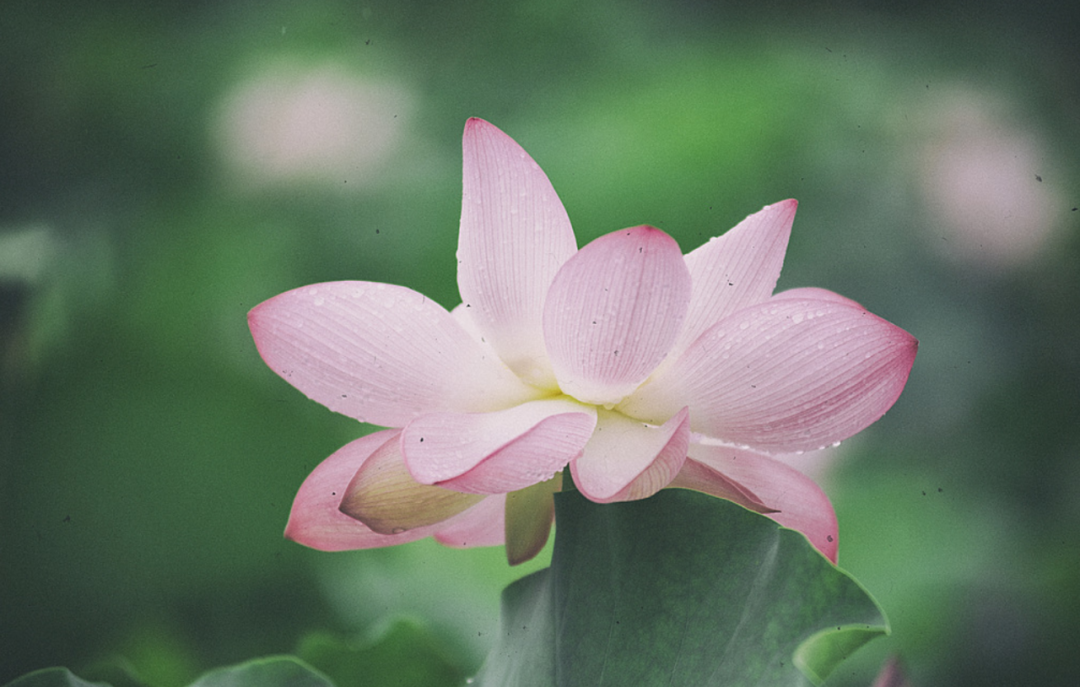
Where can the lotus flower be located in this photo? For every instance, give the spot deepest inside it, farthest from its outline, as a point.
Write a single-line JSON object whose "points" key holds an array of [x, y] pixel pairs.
{"points": [[636, 366]]}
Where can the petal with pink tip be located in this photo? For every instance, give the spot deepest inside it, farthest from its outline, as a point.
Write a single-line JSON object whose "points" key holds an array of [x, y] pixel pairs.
{"points": [[481, 525], [627, 459], [788, 375], [791, 498], [736, 270], [499, 452], [515, 236], [379, 353], [315, 520], [384, 496], [614, 311]]}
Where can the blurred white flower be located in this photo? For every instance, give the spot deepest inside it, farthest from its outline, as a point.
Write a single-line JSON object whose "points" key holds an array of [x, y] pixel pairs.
{"points": [[320, 125]]}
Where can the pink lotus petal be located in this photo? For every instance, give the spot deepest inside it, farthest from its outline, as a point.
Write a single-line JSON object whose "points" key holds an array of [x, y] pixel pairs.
{"points": [[700, 477], [379, 353], [614, 311], [736, 270], [384, 496], [786, 376], [315, 520], [791, 498], [499, 452], [529, 514], [481, 525], [815, 293], [514, 237], [628, 460]]}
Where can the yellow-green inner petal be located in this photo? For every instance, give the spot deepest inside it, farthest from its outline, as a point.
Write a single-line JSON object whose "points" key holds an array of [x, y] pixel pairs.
{"points": [[529, 514], [385, 497]]}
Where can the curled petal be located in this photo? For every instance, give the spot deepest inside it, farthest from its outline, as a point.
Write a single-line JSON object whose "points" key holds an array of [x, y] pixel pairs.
{"points": [[789, 375], [315, 519], [499, 452], [628, 460], [481, 525], [529, 514], [614, 311], [379, 353], [736, 270], [384, 496], [789, 497], [514, 237]]}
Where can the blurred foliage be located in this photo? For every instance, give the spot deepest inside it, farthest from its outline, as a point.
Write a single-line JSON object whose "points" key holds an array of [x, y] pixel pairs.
{"points": [[148, 457]]}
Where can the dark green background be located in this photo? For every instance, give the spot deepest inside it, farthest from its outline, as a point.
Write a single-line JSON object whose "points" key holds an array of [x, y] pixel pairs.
{"points": [[149, 457]]}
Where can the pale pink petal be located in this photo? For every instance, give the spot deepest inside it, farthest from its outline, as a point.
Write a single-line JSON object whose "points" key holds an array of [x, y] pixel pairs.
{"points": [[481, 525], [736, 270], [379, 353], [789, 375], [614, 312], [627, 459], [384, 496], [315, 520], [700, 477], [514, 237], [815, 293], [463, 315], [499, 452], [791, 498], [529, 514]]}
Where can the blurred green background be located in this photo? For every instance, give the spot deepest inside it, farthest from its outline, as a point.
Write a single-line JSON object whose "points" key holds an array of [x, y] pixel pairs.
{"points": [[165, 166]]}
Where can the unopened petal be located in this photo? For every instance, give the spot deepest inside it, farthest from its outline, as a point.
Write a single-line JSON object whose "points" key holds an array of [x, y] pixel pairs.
{"points": [[499, 452], [529, 514], [627, 460], [384, 496], [736, 270], [379, 353], [789, 375], [315, 520], [790, 498], [514, 237], [614, 311]]}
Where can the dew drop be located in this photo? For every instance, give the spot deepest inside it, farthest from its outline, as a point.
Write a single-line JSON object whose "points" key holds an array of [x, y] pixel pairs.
{"points": [[836, 444], [398, 530]]}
